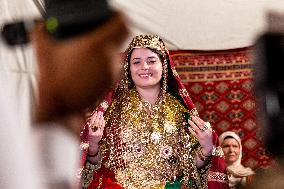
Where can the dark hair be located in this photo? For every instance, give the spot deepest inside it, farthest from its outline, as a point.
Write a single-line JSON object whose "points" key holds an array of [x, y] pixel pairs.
{"points": [[228, 137]]}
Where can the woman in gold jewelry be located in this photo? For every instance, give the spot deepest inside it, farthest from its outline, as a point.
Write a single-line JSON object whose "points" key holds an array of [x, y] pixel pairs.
{"points": [[139, 137]]}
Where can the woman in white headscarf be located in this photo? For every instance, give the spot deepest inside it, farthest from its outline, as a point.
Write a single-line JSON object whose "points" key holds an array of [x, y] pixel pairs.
{"points": [[232, 147]]}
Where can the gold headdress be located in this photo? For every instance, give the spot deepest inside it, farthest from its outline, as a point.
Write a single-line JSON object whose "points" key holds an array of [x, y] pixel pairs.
{"points": [[153, 42]]}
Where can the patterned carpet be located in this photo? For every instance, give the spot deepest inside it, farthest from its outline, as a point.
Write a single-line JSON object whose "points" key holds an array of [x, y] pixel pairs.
{"points": [[221, 86]]}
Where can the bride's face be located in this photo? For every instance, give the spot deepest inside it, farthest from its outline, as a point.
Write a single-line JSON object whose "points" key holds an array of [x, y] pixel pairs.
{"points": [[145, 68]]}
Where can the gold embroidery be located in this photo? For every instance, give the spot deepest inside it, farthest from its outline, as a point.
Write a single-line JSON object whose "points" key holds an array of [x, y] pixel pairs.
{"points": [[104, 105], [88, 173], [84, 146], [183, 93], [147, 145], [100, 182], [218, 177], [150, 41], [217, 151], [175, 72], [193, 112]]}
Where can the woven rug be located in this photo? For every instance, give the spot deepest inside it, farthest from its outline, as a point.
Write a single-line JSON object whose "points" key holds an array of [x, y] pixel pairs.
{"points": [[221, 86]]}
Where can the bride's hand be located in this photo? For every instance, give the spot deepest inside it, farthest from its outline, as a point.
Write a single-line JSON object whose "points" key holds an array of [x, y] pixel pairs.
{"points": [[203, 132], [96, 130]]}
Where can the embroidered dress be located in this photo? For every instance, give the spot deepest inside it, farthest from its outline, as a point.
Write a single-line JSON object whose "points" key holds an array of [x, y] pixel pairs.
{"points": [[149, 145], [146, 145]]}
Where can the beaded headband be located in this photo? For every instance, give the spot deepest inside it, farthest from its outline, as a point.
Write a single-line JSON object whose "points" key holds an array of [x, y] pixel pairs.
{"points": [[148, 41]]}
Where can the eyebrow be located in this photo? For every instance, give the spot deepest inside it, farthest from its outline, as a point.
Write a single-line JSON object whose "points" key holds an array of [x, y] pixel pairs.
{"points": [[151, 57], [135, 58]]}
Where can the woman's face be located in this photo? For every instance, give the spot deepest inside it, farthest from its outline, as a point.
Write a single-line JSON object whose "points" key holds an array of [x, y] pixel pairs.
{"points": [[145, 68], [231, 149]]}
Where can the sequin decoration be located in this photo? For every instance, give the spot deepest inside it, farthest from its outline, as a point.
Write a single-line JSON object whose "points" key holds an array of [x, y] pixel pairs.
{"points": [[84, 146], [104, 105], [150, 41], [147, 145]]}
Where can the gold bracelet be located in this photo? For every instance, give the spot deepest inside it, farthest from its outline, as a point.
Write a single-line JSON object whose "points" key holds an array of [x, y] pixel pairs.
{"points": [[217, 151], [201, 155], [88, 173]]}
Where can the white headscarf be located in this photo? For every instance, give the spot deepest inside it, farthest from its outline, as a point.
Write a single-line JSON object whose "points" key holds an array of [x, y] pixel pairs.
{"points": [[236, 170]]}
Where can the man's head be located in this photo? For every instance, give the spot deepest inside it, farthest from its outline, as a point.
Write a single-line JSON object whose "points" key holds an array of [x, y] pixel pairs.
{"points": [[77, 46], [68, 18], [76, 72]]}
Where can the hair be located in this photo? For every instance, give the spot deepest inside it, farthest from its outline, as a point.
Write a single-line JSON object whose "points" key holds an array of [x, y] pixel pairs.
{"points": [[228, 137]]}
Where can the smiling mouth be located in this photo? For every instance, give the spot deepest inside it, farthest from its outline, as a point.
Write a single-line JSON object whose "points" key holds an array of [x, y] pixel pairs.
{"points": [[145, 75]]}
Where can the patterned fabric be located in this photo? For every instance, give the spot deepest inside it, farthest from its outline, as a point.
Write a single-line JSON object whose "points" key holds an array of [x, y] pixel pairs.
{"points": [[221, 85], [216, 176], [171, 86]]}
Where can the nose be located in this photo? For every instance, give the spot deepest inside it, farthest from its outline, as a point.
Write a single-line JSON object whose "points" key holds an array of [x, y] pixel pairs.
{"points": [[145, 65], [231, 149]]}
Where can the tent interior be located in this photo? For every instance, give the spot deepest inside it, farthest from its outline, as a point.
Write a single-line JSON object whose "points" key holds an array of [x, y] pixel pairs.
{"points": [[211, 43]]}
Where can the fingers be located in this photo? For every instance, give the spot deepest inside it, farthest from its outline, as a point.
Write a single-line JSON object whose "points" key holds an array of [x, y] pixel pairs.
{"points": [[198, 125], [193, 126], [97, 121], [193, 132], [101, 120], [203, 132], [103, 123]]}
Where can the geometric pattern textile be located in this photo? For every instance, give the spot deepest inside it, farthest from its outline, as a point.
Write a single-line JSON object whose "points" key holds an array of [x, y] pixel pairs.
{"points": [[220, 84]]}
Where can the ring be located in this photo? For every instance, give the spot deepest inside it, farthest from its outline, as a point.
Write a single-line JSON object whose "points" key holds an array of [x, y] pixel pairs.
{"points": [[206, 125], [94, 127]]}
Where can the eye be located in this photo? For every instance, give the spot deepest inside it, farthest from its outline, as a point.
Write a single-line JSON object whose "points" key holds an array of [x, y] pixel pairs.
{"points": [[136, 62], [152, 61]]}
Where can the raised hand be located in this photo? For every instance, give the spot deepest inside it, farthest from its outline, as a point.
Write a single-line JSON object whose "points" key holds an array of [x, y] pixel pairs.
{"points": [[96, 130], [203, 132]]}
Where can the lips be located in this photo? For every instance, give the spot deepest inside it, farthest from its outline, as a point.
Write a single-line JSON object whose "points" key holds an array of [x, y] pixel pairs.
{"points": [[232, 156], [145, 75]]}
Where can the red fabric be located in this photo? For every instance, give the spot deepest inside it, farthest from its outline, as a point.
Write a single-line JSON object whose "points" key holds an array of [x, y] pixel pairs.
{"points": [[187, 100], [104, 179], [218, 165], [221, 86]]}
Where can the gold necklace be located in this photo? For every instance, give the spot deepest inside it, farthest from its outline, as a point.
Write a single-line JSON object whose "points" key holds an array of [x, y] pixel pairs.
{"points": [[154, 112], [144, 142]]}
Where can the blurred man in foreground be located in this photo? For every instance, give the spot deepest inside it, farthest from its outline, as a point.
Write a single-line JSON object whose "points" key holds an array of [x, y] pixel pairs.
{"points": [[269, 81], [75, 45]]}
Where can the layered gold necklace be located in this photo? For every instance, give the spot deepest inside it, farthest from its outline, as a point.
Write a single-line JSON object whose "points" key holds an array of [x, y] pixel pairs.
{"points": [[146, 144]]}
